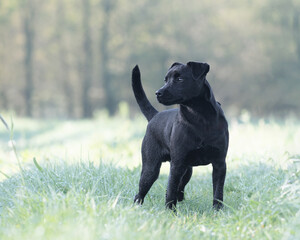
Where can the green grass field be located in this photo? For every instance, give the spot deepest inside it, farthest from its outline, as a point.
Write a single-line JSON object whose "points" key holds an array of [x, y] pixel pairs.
{"points": [[85, 174]]}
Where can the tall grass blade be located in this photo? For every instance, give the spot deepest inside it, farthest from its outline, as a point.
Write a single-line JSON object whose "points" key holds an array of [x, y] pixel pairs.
{"points": [[4, 174], [4, 122], [15, 150], [37, 165]]}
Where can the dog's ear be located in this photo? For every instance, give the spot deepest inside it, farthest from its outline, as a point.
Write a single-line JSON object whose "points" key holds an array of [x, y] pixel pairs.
{"points": [[175, 64], [199, 70]]}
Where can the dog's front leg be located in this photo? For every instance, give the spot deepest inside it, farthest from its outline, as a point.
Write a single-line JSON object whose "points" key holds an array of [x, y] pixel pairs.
{"points": [[219, 173], [176, 173], [183, 182]]}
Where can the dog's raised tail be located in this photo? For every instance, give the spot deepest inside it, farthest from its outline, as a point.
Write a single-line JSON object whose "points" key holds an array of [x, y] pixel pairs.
{"points": [[147, 109]]}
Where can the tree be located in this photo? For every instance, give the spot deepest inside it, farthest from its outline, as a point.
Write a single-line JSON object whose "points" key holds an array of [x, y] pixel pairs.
{"points": [[296, 30], [64, 64], [29, 34], [110, 101], [87, 110]]}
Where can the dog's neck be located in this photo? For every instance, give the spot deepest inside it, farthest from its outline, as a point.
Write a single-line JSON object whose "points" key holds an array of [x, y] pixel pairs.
{"points": [[201, 109]]}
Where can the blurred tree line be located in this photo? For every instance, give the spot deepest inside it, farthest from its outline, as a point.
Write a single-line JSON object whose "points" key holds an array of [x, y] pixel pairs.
{"points": [[68, 58]]}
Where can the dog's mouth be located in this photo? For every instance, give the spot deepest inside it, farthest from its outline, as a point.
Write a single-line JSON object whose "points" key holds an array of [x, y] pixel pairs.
{"points": [[169, 101]]}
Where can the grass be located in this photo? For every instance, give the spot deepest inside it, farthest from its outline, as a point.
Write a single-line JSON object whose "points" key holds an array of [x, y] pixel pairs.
{"points": [[79, 179]]}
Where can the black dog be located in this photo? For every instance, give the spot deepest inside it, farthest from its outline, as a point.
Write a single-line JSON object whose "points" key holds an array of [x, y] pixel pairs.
{"points": [[195, 134]]}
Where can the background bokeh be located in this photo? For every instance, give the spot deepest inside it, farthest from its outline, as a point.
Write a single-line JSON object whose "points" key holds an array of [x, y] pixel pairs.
{"points": [[70, 58]]}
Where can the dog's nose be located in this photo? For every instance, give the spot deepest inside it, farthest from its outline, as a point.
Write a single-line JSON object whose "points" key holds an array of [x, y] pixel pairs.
{"points": [[158, 93]]}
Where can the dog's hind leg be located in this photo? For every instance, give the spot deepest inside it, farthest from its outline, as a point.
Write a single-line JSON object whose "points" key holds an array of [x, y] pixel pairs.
{"points": [[219, 173], [148, 177], [183, 182], [151, 164]]}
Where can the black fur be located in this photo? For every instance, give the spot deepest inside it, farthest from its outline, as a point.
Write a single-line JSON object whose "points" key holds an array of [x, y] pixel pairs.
{"points": [[147, 109], [195, 134]]}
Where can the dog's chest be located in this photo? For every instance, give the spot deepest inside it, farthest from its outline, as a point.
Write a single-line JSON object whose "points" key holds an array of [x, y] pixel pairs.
{"points": [[198, 144], [202, 155], [203, 148]]}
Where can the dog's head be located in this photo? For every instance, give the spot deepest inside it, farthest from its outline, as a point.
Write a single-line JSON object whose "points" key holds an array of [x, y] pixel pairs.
{"points": [[182, 83]]}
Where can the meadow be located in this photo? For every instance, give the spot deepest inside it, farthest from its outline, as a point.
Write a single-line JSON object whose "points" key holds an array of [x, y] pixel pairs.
{"points": [[77, 180]]}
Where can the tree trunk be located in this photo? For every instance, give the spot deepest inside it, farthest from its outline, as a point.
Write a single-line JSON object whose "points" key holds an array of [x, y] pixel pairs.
{"points": [[296, 29], [64, 64], [28, 27], [87, 110], [110, 102]]}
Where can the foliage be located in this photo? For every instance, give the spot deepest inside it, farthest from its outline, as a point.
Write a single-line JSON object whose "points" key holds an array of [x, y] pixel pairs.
{"points": [[79, 179], [83, 61]]}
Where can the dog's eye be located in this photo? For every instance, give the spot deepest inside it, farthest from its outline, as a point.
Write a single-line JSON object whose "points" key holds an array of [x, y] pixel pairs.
{"points": [[179, 79]]}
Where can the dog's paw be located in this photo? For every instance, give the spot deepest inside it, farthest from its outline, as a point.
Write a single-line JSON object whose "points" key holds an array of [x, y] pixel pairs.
{"points": [[138, 200], [171, 205], [217, 205], [180, 196]]}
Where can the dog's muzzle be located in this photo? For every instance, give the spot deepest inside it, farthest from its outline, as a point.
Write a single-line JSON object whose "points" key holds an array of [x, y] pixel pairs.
{"points": [[163, 95], [159, 93], [166, 98]]}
